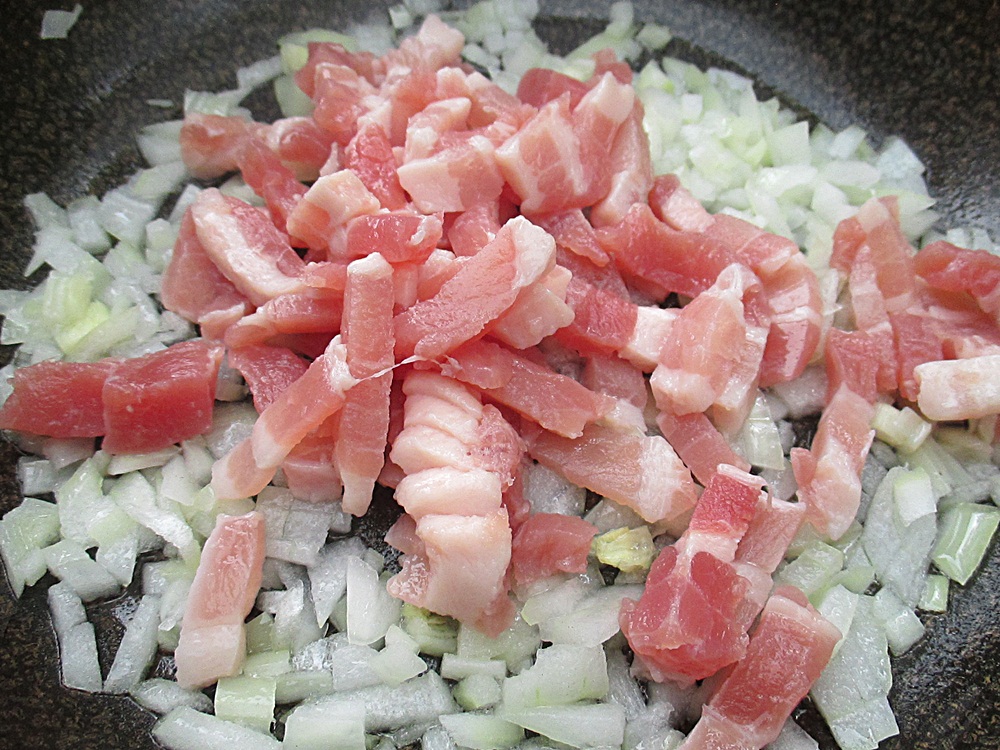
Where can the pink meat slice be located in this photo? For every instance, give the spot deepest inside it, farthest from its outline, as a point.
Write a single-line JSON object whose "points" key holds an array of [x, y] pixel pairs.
{"points": [[548, 543], [540, 310], [369, 155], [788, 650], [829, 473], [713, 353], [312, 311], [615, 377], [573, 231], [211, 144], [271, 179], [341, 96], [556, 402], [953, 269], [213, 637], [635, 470], [483, 288], [300, 408], [772, 529], [326, 208], [245, 246], [449, 490], [268, 370], [469, 231], [872, 318], [674, 205], [192, 286], [959, 389], [58, 399], [631, 171], [310, 470], [156, 400], [400, 237], [603, 321], [852, 360], [659, 259], [699, 444], [461, 569], [367, 333], [557, 160], [693, 616], [459, 175]]}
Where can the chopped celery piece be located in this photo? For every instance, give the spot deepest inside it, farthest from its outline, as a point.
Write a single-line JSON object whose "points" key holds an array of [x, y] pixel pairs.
{"points": [[482, 731], [966, 531], [396, 663], [24, 531], [963, 444], [184, 728], [813, 570], [629, 550], [516, 645], [945, 471], [901, 428], [267, 663], [246, 700], [339, 725], [935, 596], [561, 674], [477, 691], [454, 667], [914, 495], [260, 633], [578, 725], [902, 627], [293, 687]]}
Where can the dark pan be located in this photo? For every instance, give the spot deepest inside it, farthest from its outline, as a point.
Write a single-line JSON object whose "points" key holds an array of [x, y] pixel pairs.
{"points": [[928, 71]]}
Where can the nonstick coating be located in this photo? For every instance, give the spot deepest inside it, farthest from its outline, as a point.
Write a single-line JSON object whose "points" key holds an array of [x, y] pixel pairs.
{"points": [[928, 71]]}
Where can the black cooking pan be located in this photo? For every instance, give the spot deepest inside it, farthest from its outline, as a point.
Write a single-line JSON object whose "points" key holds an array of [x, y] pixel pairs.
{"points": [[928, 71]]}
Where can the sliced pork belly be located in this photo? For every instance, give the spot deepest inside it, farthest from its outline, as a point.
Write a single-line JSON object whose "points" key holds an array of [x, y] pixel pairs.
{"points": [[460, 570], [309, 311], [540, 310], [399, 237], [549, 543], [245, 246], [369, 155], [789, 648], [556, 161], [156, 400], [483, 288], [268, 370], [300, 408], [449, 490], [213, 638], [829, 473], [693, 616], [211, 144], [603, 322], [638, 471], [959, 389], [675, 206], [872, 318], [631, 171], [573, 231], [556, 402], [713, 353], [953, 269], [194, 288], [271, 179], [367, 333], [326, 208]]}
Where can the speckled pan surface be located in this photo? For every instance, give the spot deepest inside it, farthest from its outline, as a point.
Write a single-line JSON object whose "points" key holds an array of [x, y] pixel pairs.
{"points": [[929, 71]]}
